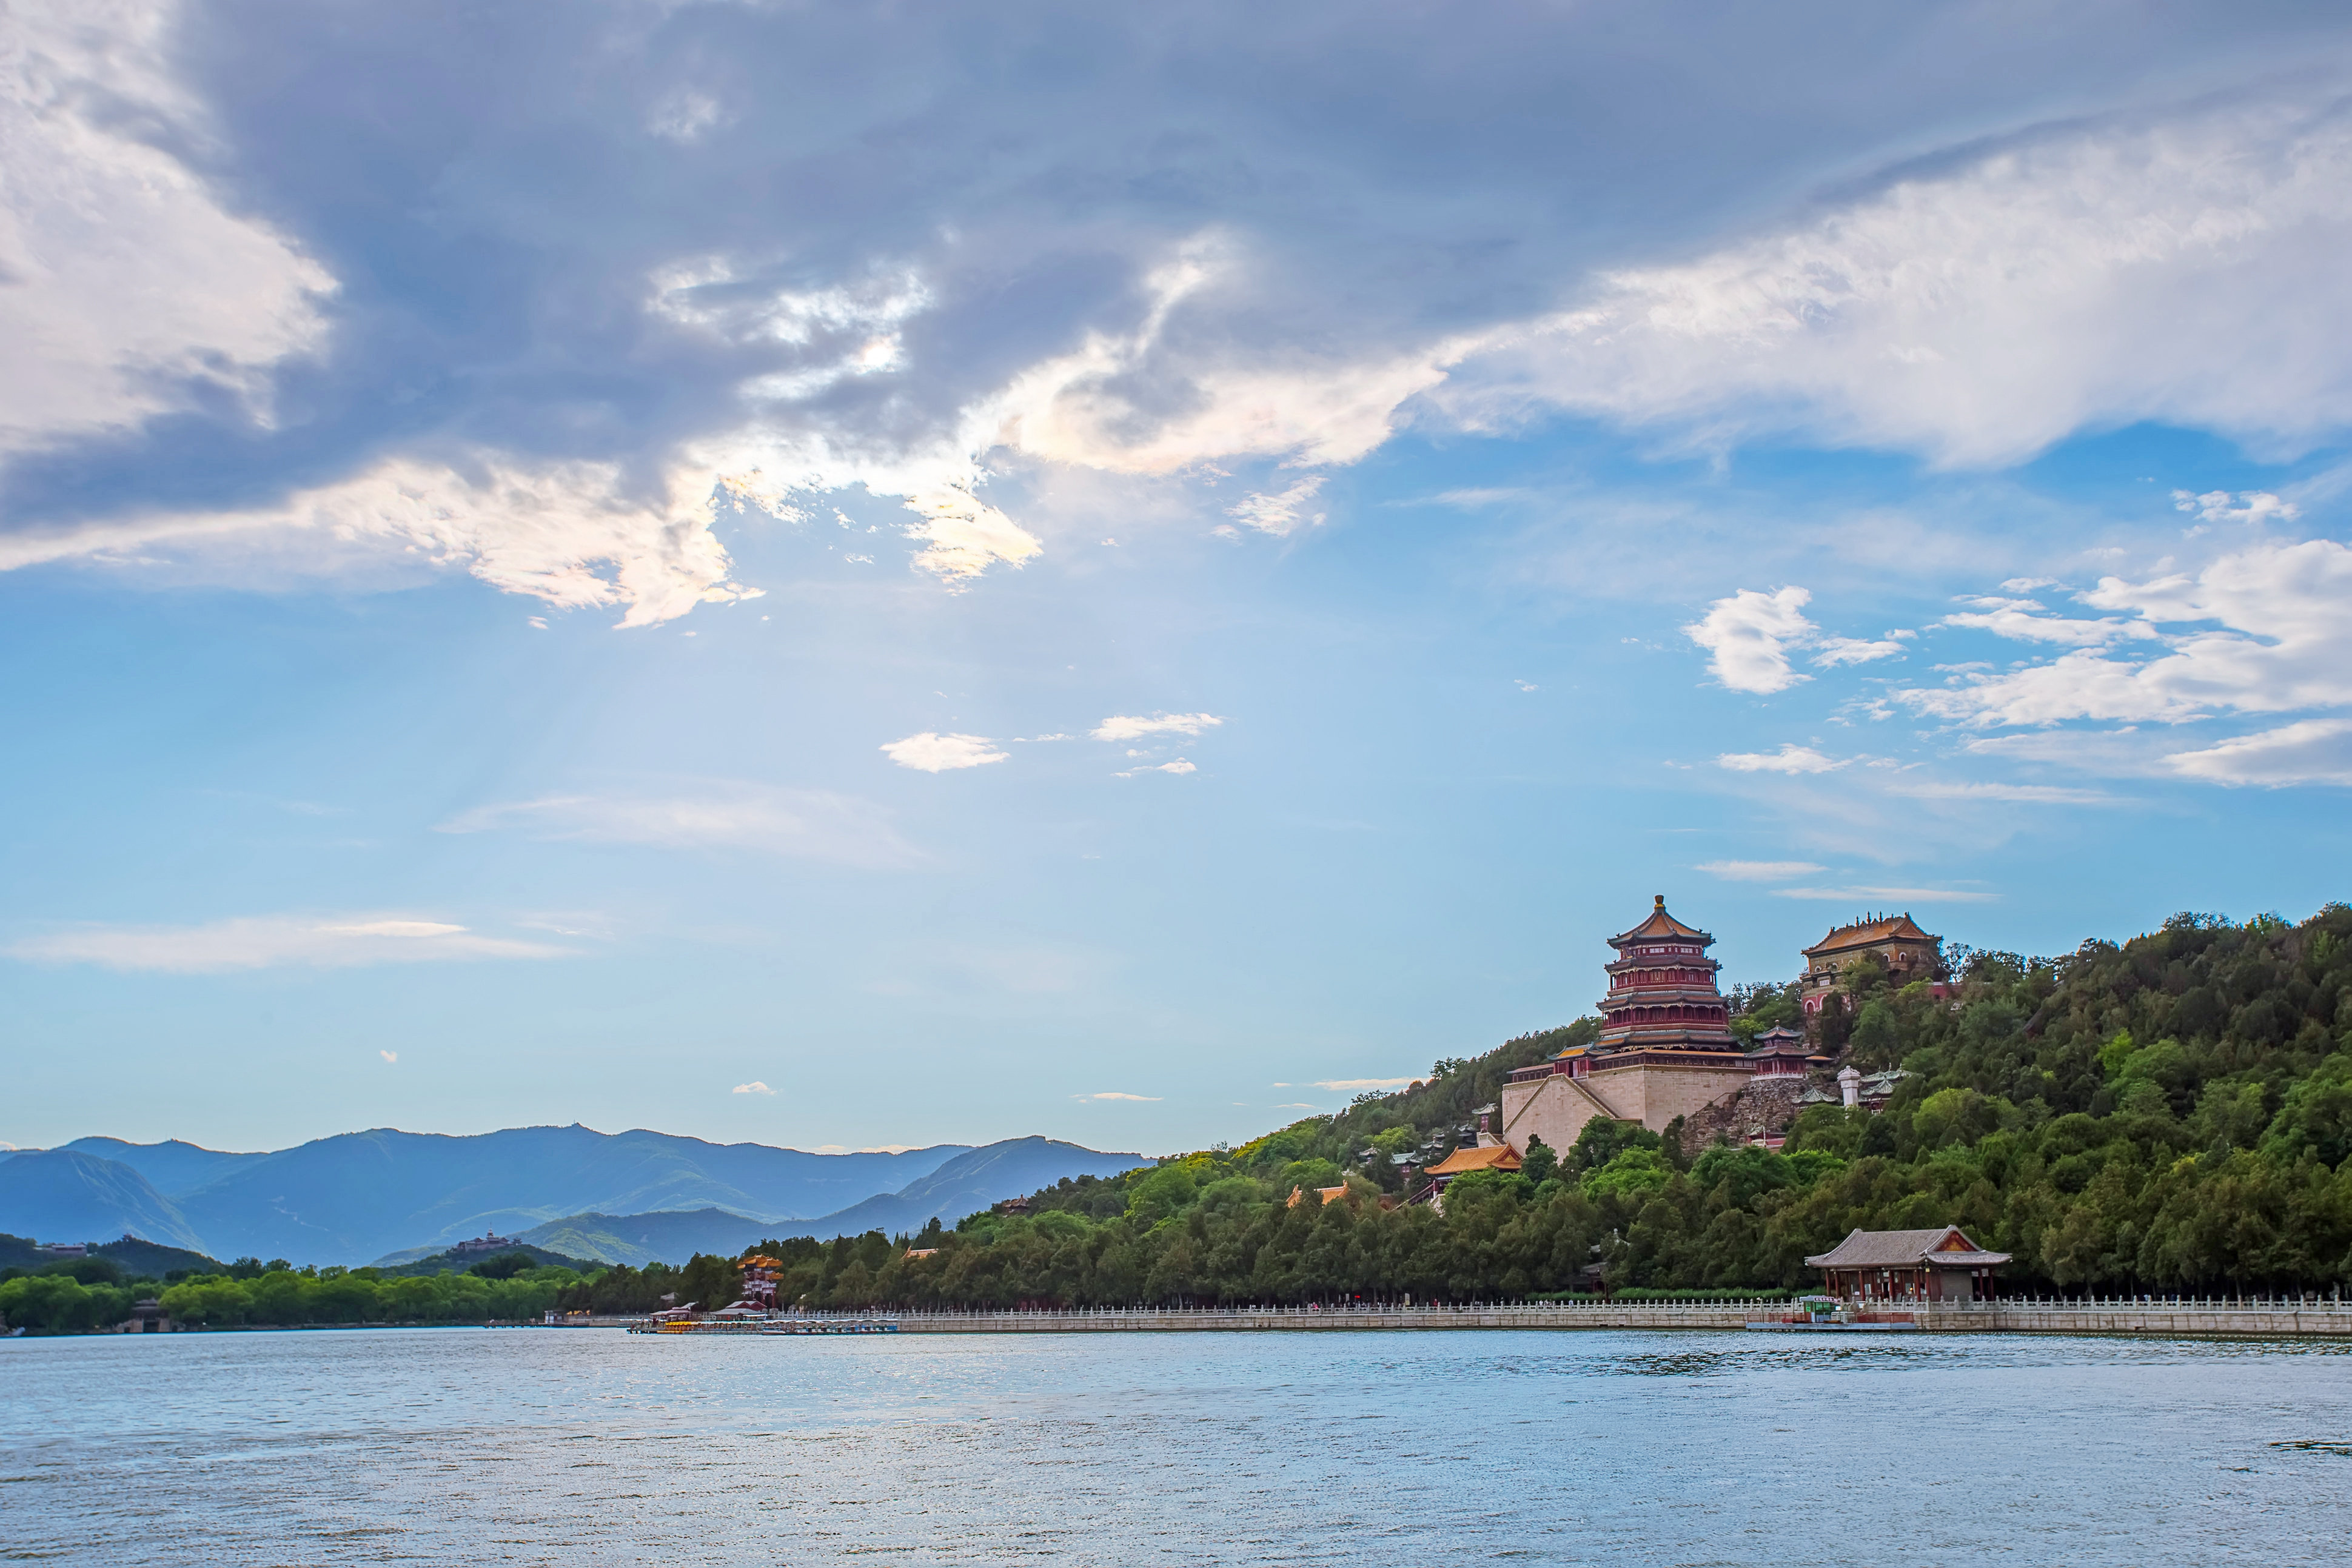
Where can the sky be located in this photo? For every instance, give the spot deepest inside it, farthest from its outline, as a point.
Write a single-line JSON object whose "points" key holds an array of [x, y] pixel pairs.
{"points": [[869, 576]]}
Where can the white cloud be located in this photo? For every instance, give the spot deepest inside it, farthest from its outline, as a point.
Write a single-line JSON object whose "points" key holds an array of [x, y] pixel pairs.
{"points": [[1749, 635], [1082, 407], [932, 752], [1886, 895], [684, 116], [1077, 408], [1757, 870], [2316, 750], [2017, 620], [1356, 1085], [389, 1057], [1178, 766], [1114, 1094], [2041, 794], [816, 825], [1282, 514], [754, 1087], [1834, 651], [1790, 758], [542, 531], [2283, 641], [125, 290], [854, 327], [266, 941], [1119, 728], [2185, 268], [2253, 506]]}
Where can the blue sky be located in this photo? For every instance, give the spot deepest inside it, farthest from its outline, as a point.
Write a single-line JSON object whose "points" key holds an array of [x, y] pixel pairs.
{"points": [[857, 576]]}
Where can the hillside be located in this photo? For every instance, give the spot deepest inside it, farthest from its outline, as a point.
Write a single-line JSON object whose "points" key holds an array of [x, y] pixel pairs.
{"points": [[965, 1184], [60, 1194], [969, 1181], [2171, 1114], [135, 1259], [641, 1239]]}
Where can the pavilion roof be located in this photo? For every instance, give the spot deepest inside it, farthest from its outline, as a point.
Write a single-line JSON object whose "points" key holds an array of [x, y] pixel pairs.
{"points": [[1494, 1157], [1661, 924], [1781, 1043], [1864, 933], [1906, 1249]]}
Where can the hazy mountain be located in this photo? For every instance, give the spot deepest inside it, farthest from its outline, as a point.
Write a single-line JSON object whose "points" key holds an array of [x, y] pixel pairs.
{"points": [[638, 1240], [965, 1184], [351, 1198], [354, 1197], [360, 1195], [61, 1195], [171, 1167]]}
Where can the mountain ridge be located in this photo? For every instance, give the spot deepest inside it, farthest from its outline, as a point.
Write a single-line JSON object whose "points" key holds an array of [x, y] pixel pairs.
{"points": [[385, 1193], [964, 1185]]}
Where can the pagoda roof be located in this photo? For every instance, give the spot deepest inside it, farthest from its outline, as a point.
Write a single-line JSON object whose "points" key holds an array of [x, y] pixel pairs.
{"points": [[1494, 1157], [1660, 924], [1906, 1249], [1878, 928]]}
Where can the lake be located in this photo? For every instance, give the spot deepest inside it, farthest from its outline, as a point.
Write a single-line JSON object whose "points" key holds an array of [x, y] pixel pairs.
{"points": [[583, 1446]]}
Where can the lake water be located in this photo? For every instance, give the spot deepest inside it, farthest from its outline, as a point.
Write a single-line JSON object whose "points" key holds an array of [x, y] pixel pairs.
{"points": [[581, 1445]]}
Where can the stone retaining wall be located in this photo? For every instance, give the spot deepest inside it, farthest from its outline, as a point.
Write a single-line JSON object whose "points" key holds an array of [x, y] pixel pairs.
{"points": [[1996, 1317]]}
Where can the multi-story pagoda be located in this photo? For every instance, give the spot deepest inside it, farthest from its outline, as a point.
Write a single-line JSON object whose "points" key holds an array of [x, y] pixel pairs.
{"points": [[1667, 1049], [1662, 992]]}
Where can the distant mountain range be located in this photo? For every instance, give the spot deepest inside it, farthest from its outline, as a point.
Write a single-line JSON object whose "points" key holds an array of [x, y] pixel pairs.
{"points": [[358, 1196], [965, 1184]]}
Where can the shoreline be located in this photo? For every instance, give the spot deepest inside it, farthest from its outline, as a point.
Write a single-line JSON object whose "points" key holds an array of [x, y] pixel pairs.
{"points": [[2309, 1321], [2317, 1320]]}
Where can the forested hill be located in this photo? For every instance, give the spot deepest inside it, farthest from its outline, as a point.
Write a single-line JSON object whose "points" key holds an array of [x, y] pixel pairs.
{"points": [[2174, 1113]]}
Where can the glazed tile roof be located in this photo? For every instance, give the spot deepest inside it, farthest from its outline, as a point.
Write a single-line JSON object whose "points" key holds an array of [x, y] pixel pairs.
{"points": [[1495, 1157], [1863, 933], [1906, 1249], [1660, 924]]}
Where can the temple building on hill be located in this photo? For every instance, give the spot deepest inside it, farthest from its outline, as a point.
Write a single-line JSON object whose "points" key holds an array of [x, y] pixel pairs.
{"points": [[1499, 1157], [1665, 1049], [1908, 952]]}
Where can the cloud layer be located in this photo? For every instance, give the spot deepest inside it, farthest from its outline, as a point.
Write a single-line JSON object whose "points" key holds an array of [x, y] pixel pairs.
{"points": [[127, 290], [268, 941], [782, 256], [817, 825]]}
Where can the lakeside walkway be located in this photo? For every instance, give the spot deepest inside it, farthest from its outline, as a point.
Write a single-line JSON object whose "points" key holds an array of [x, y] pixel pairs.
{"points": [[2257, 1318]]}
